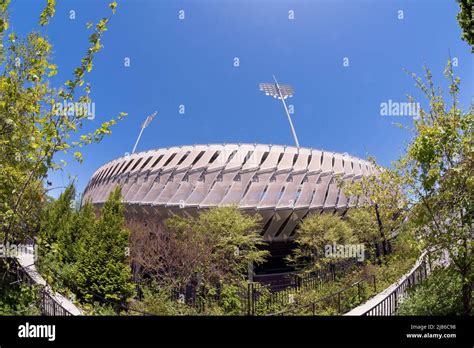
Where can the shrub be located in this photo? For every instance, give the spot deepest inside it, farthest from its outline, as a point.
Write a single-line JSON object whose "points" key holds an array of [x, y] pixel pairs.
{"points": [[440, 294]]}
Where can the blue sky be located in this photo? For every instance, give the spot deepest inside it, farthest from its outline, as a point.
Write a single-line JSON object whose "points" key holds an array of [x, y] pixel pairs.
{"points": [[190, 62]]}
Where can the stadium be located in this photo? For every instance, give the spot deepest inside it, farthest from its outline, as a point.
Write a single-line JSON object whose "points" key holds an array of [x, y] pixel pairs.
{"points": [[282, 184]]}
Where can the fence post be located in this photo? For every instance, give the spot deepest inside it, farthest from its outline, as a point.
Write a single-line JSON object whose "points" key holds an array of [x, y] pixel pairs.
{"points": [[396, 300], [338, 302], [249, 300], [375, 287], [42, 301], [254, 295], [358, 290]]}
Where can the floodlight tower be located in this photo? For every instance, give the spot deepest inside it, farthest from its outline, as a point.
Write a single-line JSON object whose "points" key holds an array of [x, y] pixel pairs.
{"points": [[144, 125], [281, 92]]}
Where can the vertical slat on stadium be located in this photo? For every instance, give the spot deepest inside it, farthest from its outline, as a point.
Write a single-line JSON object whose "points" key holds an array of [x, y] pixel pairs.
{"points": [[226, 177], [163, 173], [348, 175], [179, 173], [274, 193], [145, 176], [215, 168], [333, 189], [290, 195], [194, 173]]}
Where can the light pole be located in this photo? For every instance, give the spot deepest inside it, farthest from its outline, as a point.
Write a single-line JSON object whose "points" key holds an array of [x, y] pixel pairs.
{"points": [[281, 92], [144, 125]]}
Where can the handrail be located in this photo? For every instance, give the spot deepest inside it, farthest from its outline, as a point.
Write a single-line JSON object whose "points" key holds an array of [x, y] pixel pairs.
{"points": [[388, 301], [327, 297], [49, 306]]}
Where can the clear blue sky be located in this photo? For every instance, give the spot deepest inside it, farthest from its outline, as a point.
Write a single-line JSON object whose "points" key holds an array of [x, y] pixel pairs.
{"points": [[190, 62]]}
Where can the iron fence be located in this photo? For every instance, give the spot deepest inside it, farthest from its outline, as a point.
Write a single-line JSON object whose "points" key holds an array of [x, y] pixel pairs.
{"points": [[48, 305], [336, 303], [390, 304], [262, 298]]}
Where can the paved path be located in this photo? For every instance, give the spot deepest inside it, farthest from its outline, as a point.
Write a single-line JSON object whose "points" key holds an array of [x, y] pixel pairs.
{"points": [[443, 261], [374, 301], [26, 260]]}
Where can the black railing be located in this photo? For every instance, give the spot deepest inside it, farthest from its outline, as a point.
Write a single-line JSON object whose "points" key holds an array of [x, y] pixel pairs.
{"points": [[47, 304], [262, 298], [390, 304], [335, 303]]}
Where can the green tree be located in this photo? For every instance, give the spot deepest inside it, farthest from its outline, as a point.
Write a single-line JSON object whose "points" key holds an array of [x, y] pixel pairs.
{"points": [[102, 270], [381, 199], [466, 22], [438, 170], [314, 234], [32, 128], [212, 252], [227, 242], [55, 227], [440, 294], [364, 226]]}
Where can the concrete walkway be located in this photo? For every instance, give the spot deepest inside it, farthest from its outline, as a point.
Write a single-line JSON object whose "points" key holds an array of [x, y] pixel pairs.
{"points": [[443, 261], [374, 301], [25, 258]]}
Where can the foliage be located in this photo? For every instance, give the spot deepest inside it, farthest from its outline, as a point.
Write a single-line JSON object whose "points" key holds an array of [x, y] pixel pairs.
{"points": [[84, 254], [209, 254], [99, 309], [430, 189], [325, 298], [32, 129], [102, 270], [364, 225], [19, 299], [316, 232], [16, 298], [438, 171], [213, 248], [55, 226], [158, 299], [382, 204], [440, 294], [466, 22]]}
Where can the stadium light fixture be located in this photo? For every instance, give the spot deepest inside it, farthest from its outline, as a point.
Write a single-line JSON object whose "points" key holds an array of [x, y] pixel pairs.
{"points": [[144, 125], [281, 92]]}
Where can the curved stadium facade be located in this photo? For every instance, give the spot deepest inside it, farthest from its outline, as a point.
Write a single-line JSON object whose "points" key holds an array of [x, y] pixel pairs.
{"points": [[281, 183]]}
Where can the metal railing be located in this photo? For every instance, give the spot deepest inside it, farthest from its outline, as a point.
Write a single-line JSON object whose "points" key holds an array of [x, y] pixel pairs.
{"points": [[333, 301], [262, 297], [48, 305], [390, 304]]}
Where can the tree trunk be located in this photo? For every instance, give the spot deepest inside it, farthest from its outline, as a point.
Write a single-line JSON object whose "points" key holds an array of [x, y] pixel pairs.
{"points": [[382, 234], [466, 297]]}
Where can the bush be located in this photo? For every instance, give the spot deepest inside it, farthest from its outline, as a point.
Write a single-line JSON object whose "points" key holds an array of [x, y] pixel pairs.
{"points": [[85, 254], [16, 298], [315, 234], [440, 294], [102, 272]]}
